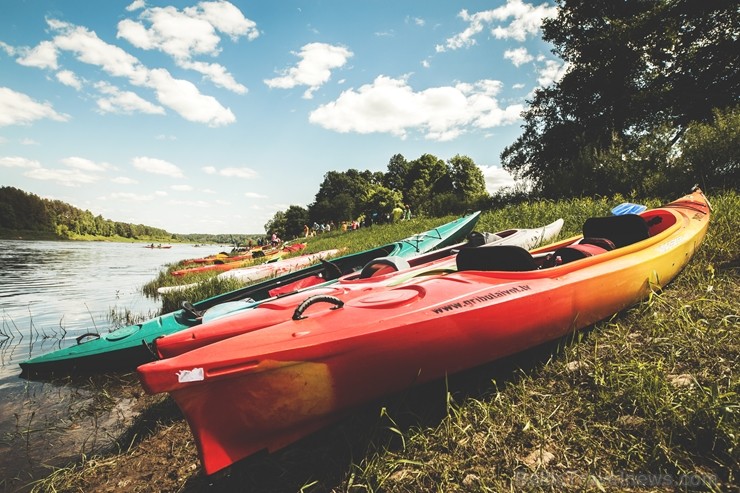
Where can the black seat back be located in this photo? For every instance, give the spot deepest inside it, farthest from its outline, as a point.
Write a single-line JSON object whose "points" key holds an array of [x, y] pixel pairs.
{"points": [[495, 257], [620, 230]]}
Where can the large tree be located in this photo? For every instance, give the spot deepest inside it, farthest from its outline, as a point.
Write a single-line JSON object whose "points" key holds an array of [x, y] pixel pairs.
{"points": [[635, 68]]}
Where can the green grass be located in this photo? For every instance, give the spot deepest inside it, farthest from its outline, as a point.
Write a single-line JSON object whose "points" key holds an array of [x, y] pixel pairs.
{"points": [[646, 400]]}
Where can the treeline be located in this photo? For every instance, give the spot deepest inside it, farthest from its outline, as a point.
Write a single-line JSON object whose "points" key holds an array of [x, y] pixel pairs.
{"points": [[22, 212], [427, 186]]}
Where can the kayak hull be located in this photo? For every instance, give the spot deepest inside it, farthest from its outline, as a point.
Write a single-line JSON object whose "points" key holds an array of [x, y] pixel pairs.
{"points": [[254, 316], [267, 388], [84, 357]]}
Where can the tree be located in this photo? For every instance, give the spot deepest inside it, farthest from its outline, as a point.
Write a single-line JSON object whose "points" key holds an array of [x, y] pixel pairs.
{"points": [[427, 177], [634, 67], [397, 175], [276, 224], [296, 217], [468, 182], [711, 152]]}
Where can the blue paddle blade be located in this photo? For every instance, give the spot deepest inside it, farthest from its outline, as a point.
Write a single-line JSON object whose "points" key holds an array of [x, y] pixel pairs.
{"points": [[628, 208]]}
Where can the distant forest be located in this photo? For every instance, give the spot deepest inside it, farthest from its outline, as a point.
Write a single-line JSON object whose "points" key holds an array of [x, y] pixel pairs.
{"points": [[25, 215]]}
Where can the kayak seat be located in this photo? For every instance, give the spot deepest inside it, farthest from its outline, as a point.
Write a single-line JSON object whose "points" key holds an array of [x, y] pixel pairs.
{"points": [[383, 265], [476, 239], [576, 251], [510, 258], [620, 230], [604, 243]]}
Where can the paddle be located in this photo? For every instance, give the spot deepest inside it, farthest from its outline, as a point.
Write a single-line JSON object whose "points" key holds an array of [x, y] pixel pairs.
{"points": [[628, 208]]}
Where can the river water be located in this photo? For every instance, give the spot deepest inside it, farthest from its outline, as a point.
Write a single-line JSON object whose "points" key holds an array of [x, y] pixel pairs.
{"points": [[50, 293]]}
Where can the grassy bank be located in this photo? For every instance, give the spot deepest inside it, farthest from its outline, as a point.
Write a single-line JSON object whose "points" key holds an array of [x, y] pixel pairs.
{"points": [[647, 401]]}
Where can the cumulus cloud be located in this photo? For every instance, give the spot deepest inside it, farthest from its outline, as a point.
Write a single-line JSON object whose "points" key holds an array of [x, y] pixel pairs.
{"points": [[552, 72], [65, 177], [392, 106], [114, 100], [254, 195], [85, 164], [17, 108], [314, 68], [518, 56], [157, 166], [181, 188], [44, 55], [497, 178], [68, 78], [193, 31], [179, 95], [136, 5], [18, 162], [526, 20], [246, 173]]}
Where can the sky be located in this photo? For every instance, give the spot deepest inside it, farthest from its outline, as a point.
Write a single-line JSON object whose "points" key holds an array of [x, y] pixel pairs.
{"points": [[211, 116]]}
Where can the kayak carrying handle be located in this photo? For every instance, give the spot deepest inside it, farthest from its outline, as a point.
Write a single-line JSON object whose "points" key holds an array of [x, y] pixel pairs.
{"points": [[94, 335], [319, 298]]}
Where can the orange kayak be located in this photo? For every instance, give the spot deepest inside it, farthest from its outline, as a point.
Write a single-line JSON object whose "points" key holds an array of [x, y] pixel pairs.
{"points": [[267, 388]]}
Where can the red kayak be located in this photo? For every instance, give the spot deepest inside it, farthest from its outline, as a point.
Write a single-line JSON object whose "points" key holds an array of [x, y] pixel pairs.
{"points": [[246, 316], [267, 388]]}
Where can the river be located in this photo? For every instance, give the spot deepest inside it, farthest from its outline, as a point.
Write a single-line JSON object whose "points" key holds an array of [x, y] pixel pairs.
{"points": [[50, 293]]}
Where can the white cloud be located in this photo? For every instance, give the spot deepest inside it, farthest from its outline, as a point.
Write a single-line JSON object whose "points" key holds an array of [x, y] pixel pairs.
{"points": [[526, 21], [254, 195], [496, 178], [217, 74], [64, 177], [42, 56], [552, 72], [157, 166], [18, 162], [68, 78], [518, 56], [124, 180], [126, 102], [181, 188], [247, 173], [26, 141], [391, 106], [314, 68], [17, 108], [136, 5], [183, 97], [194, 31], [84, 164], [177, 94]]}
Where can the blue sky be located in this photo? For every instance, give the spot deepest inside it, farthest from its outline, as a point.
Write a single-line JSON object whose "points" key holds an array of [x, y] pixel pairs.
{"points": [[211, 116]]}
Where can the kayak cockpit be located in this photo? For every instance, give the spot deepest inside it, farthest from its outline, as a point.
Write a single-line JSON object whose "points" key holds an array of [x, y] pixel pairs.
{"points": [[600, 235]]}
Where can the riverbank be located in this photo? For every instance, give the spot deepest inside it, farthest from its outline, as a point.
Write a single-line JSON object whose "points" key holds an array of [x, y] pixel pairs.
{"points": [[646, 401]]}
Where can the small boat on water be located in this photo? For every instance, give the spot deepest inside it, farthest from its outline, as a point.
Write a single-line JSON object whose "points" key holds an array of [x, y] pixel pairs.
{"points": [[157, 246], [128, 347], [230, 319], [268, 388]]}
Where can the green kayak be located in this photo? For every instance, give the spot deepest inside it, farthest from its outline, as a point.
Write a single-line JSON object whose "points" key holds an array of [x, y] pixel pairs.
{"points": [[128, 347]]}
